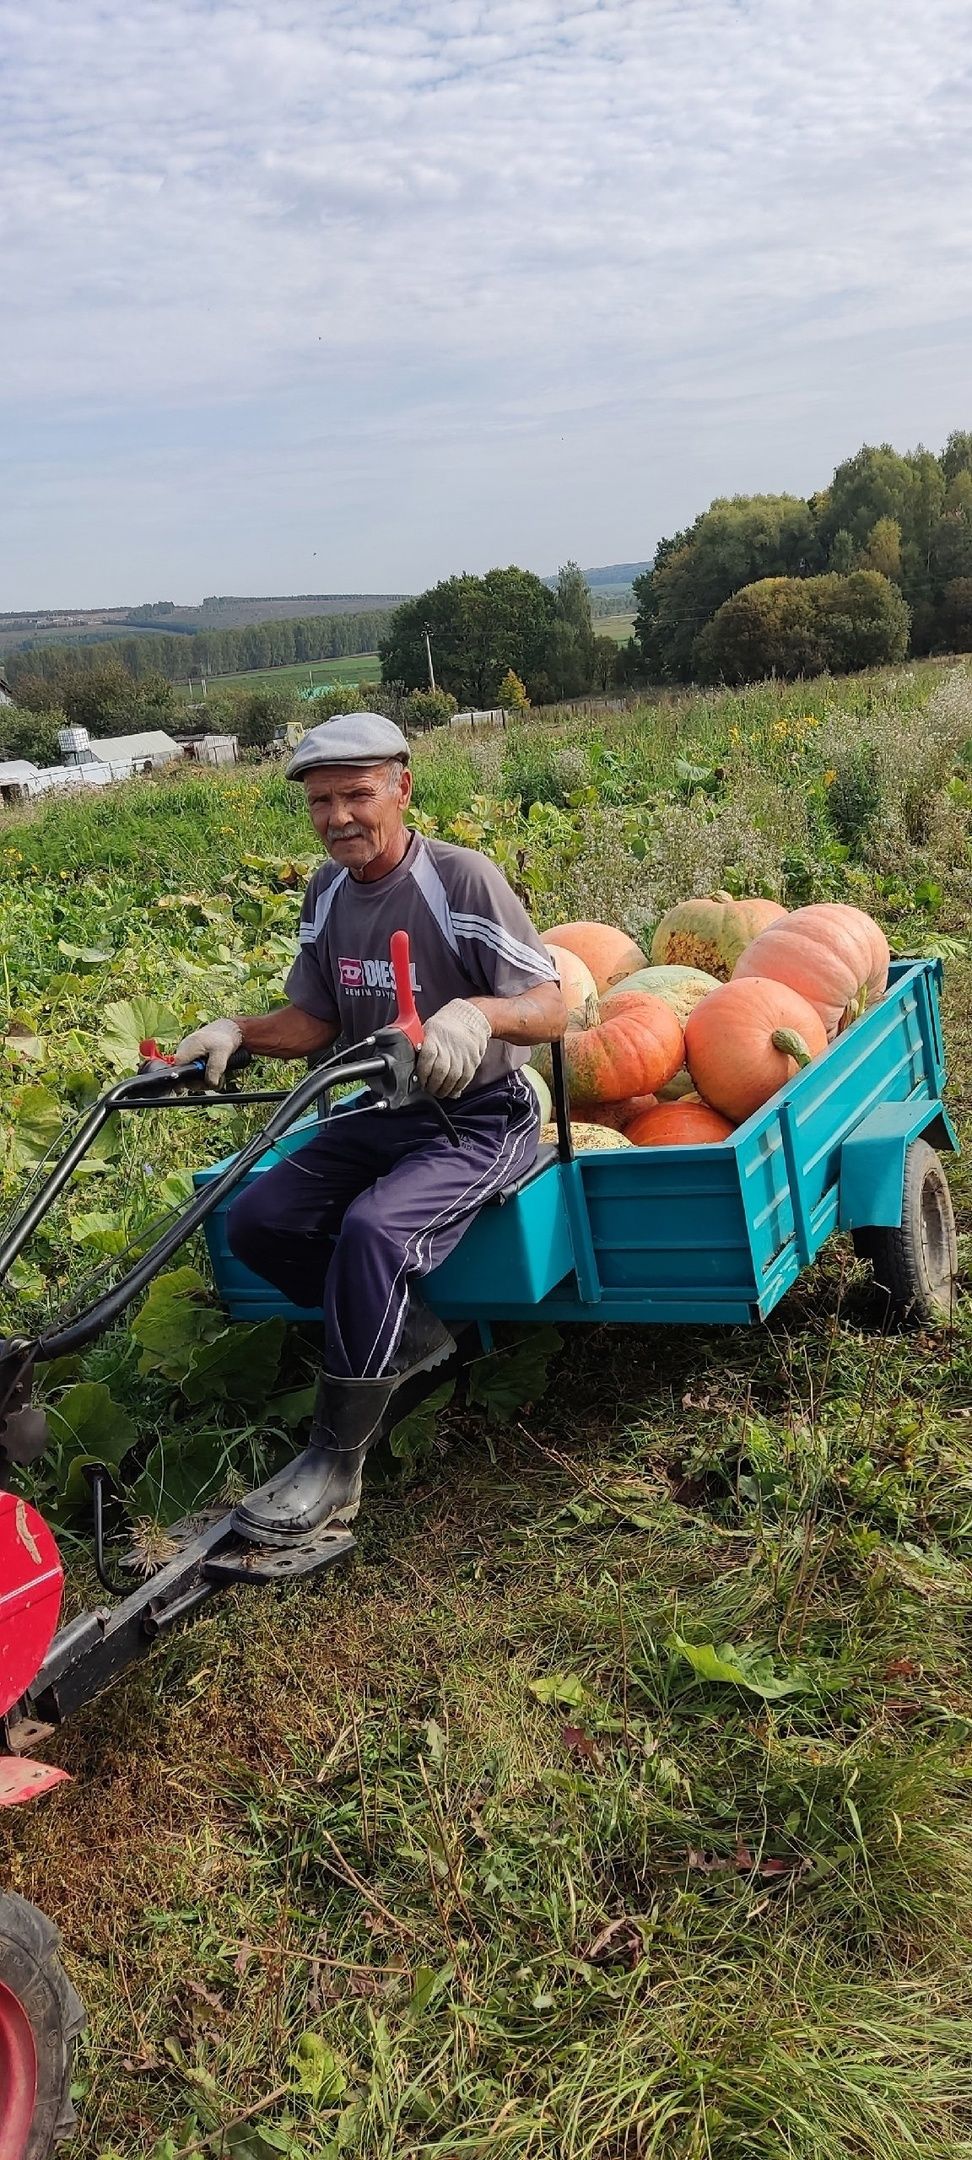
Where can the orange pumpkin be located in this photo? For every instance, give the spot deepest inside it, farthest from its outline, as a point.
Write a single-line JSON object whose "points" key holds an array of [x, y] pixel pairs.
{"points": [[835, 956], [748, 1038], [617, 1114], [711, 933], [610, 954], [577, 983], [678, 1124], [633, 1052]]}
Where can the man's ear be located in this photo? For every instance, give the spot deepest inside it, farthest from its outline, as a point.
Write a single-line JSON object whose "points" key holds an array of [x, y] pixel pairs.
{"points": [[405, 787]]}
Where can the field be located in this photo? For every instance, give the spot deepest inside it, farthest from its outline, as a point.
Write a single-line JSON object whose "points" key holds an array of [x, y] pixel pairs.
{"points": [[620, 626], [613, 1802], [352, 668]]}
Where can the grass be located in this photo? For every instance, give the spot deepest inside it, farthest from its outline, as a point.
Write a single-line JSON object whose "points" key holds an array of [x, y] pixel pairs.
{"points": [[620, 626], [351, 668], [456, 1853]]}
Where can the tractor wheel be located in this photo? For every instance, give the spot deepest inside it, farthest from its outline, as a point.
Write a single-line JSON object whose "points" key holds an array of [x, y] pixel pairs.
{"points": [[916, 1263], [40, 2019]]}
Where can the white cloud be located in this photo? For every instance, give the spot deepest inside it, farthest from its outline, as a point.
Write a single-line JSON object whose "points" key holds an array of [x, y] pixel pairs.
{"points": [[392, 281]]}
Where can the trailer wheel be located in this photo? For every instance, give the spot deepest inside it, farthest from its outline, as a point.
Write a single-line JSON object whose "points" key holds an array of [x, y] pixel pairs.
{"points": [[40, 2019], [916, 1263]]}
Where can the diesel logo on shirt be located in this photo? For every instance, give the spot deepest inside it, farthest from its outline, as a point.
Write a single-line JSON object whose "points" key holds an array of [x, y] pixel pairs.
{"points": [[370, 975]]}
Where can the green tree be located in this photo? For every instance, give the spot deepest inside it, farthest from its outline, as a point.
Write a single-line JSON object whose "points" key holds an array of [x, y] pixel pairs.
{"points": [[427, 709], [957, 614], [478, 628], [799, 626], [862, 620], [768, 628], [957, 454], [31, 735], [883, 550], [731, 545], [605, 662], [844, 552], [261, 715], [344, 698]]}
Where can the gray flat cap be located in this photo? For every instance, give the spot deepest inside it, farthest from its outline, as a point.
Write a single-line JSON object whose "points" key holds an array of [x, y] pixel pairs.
{"points": [[354, 738]]}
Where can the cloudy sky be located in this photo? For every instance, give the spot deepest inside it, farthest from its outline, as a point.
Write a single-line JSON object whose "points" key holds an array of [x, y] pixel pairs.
{"points": [[333, 295]]}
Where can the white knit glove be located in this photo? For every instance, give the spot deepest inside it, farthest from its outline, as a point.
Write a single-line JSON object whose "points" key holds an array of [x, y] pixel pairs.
{"points": [[215, 1042], [455, 1044]]}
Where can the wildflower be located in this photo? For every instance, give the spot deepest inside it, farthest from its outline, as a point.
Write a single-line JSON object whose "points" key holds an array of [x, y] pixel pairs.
{"points": [[829, 778]]}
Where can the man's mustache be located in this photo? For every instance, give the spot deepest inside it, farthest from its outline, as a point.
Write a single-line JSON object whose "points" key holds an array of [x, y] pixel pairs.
{"points": [[345, 832]]}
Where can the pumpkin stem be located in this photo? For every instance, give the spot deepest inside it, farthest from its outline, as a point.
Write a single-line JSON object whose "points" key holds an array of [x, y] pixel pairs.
{"points": [[792, 1044]]}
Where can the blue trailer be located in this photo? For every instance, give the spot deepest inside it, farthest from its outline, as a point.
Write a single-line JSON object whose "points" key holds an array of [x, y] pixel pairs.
{"points": [[713, 1234]]}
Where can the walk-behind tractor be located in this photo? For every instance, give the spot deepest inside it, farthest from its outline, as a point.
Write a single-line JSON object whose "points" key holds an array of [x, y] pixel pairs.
{"points": [[712, 1234]]}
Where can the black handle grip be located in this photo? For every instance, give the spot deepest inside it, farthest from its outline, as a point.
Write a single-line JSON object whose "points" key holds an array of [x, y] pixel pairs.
{"points": [[193, 1074]]}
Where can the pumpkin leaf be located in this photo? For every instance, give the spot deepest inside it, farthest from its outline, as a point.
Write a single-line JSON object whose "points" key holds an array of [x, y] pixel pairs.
{"points": [[128, 1022], [38, 1120], [507, 1380], [178, 1316], [240, 1365], [567, 1689], [728, 1666], [89, 1427], [411, 1440]]}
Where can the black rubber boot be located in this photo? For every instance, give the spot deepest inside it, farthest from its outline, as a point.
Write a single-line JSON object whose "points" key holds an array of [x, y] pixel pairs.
{"points": [[323, 1485], [424, 1342]]}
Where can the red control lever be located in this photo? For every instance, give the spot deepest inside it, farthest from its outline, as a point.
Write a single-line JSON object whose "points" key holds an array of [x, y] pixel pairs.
{"points": [[406, 1017], [149, 1049]]}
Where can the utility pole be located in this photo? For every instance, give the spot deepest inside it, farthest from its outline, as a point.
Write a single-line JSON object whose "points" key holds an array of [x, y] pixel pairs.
{"points": [[428, 655]]}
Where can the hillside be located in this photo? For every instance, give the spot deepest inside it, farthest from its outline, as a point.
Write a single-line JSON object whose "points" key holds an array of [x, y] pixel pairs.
{"points": [[57, 626]]}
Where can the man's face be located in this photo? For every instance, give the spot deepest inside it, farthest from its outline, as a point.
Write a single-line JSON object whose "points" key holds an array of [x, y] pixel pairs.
{"points": [[358, 810]]}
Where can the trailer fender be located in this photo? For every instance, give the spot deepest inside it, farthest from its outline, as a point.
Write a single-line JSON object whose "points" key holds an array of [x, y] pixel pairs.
{"points": [[872, 1159]]}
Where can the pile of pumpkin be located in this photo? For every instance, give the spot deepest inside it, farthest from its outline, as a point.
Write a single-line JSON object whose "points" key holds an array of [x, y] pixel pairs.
{"points": [[677, 1049]]}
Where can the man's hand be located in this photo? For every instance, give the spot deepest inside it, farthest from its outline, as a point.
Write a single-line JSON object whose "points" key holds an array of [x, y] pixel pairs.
{"points": [[216, 1043], [456, 1040]]}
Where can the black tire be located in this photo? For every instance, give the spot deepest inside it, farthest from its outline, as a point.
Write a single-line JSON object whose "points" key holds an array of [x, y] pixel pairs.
{"points": [[32, 1971], [916, 1264]]}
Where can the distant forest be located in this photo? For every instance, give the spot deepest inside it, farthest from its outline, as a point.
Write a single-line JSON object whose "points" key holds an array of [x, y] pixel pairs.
{"points": [[206, 652]]}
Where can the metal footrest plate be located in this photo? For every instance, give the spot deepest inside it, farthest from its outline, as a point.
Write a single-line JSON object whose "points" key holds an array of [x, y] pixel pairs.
{"points": [[242, 1562]]}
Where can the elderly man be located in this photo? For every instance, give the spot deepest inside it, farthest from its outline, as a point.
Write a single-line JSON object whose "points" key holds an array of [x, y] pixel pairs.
{"points": [[373, 1202]]}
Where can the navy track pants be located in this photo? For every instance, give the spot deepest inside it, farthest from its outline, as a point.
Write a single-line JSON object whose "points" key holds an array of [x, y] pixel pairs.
{"points": [[374, 1200]]}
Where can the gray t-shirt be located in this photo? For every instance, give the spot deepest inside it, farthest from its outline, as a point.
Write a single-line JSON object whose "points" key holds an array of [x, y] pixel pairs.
{"points": [[468, 933]]}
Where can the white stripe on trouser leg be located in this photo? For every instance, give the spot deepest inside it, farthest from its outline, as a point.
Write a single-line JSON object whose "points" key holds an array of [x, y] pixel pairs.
{"points": [[466, 1203]]}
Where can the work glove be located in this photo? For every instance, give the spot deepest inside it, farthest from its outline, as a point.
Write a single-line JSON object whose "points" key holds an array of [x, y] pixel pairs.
{"points": [[216, 1043], [454, 1048]]}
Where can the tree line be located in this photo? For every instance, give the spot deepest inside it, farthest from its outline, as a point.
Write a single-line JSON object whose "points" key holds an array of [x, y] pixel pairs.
{"points": [[877, 563], [175, 657]]}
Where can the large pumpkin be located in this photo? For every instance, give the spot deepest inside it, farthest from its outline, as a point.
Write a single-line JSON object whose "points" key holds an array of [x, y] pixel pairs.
{"points": [[617, 1114], [681, 988], [678, 1124], [746, 1040], [711, 933], [609, 953], [577, 983], [633, 1052], [835, 956]]}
